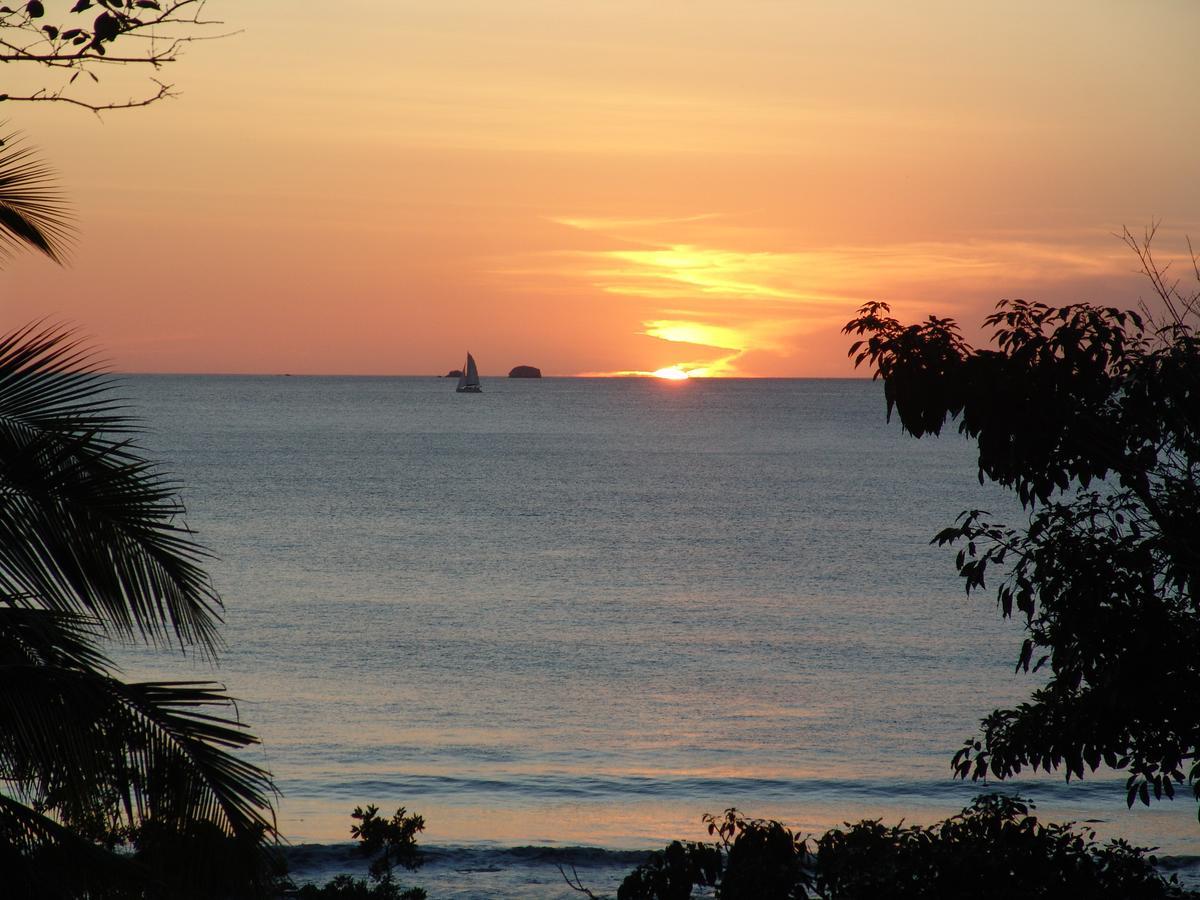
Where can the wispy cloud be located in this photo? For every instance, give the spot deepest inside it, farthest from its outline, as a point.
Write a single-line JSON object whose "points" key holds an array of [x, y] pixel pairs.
{"points": [[615, 223], [719, 299]]}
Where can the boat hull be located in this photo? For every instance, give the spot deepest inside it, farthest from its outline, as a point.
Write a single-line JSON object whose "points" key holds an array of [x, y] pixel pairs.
{"points": [[469, 389]]}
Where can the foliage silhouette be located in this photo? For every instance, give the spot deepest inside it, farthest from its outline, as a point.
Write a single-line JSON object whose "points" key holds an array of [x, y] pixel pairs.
{"points": [[67, 39], [993, 849], [33, 214], [1092, 416], [395, 842], [394, 839], [92, 548], [670, 873]]}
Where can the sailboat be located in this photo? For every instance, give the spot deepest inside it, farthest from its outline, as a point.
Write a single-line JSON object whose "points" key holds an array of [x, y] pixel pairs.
{"points": [[468, 381]]}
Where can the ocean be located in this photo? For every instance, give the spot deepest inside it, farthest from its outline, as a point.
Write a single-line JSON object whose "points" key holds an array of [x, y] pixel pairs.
{"points": [[564, 618]]}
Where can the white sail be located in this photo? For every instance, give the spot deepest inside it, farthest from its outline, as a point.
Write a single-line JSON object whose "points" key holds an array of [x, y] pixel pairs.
{"points": [[468, 381]]}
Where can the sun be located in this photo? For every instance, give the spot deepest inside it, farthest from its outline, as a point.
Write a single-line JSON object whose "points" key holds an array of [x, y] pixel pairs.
{"points": [[671, 373]]}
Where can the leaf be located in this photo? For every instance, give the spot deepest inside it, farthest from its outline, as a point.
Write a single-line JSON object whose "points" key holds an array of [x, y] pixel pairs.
{"points": [[32, 212], [106, 27], [81, 5], [88, 526], [34, 9]]}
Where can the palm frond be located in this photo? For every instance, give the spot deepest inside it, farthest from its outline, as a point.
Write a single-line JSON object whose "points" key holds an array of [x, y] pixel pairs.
{"points": [[32, 210], [191, 747], [87, 525], [92, 544], [104, 755], [31, 636], [49, 380]]}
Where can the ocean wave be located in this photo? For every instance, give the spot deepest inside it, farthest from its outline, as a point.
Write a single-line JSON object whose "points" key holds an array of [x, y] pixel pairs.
{"points": [[568, 786], [477, 871]]}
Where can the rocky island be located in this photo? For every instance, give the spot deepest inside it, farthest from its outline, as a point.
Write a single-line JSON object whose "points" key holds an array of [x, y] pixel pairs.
{"points": [[525, 372]]}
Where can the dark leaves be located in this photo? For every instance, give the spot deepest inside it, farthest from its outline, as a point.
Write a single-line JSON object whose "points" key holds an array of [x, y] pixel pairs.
{"points": [[996, 847], [106, 27], [87, 525], [32, 211], [918, 364], [90, 546], [1094, 423]]}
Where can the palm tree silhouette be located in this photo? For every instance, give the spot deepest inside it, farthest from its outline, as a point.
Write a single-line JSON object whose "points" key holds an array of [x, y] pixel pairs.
{"points": [[92, 548]]}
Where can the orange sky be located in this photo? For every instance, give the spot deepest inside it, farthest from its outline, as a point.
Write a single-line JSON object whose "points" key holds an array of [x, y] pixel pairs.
{"points": [[589, 187]]}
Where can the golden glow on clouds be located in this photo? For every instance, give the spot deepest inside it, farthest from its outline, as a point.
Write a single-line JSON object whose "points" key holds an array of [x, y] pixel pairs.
{"points": [[697, 275], [730, 303], [687, 271], [697, 333], [613, 223]]}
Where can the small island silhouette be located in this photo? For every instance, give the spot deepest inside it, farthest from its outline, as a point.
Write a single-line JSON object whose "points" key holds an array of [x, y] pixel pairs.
{"points": [[525, 372]]}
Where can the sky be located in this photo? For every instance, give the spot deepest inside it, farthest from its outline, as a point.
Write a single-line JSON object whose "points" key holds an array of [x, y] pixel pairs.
{"points": [[611, 187]]}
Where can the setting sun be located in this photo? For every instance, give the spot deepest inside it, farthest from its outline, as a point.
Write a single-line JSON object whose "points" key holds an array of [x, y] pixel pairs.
{"points": [[671, 373]]}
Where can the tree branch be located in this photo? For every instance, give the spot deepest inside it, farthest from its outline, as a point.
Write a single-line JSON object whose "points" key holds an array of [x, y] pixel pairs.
{"points": [[164, 91], [81, 40], [574, 883]]}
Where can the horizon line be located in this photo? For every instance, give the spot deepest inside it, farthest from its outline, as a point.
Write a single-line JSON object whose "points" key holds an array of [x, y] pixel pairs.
{"points": [[504, 377]]}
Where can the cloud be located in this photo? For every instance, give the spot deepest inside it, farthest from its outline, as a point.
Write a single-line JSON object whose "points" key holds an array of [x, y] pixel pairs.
{"points": [[719, 298], [698, 333], [607, 224]]}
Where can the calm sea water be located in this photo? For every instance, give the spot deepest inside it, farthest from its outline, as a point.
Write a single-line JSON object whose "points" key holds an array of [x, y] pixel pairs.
{"points": [[586, 611]]}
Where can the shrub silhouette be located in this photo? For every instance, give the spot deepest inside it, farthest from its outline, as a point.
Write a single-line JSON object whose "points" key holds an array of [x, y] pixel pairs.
{"points": [[995, 848], [395, 842]]}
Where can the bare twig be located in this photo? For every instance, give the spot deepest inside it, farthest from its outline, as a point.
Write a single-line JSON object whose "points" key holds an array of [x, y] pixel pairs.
{"points": [[1180, 305], [164, 90], [574, 883]]}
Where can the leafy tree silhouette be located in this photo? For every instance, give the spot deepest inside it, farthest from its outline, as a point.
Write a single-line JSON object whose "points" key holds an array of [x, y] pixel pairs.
{"points": [[1092, 416]]}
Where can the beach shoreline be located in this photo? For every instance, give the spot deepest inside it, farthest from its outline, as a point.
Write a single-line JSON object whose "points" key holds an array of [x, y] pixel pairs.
{"points": [[489, 871]]}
